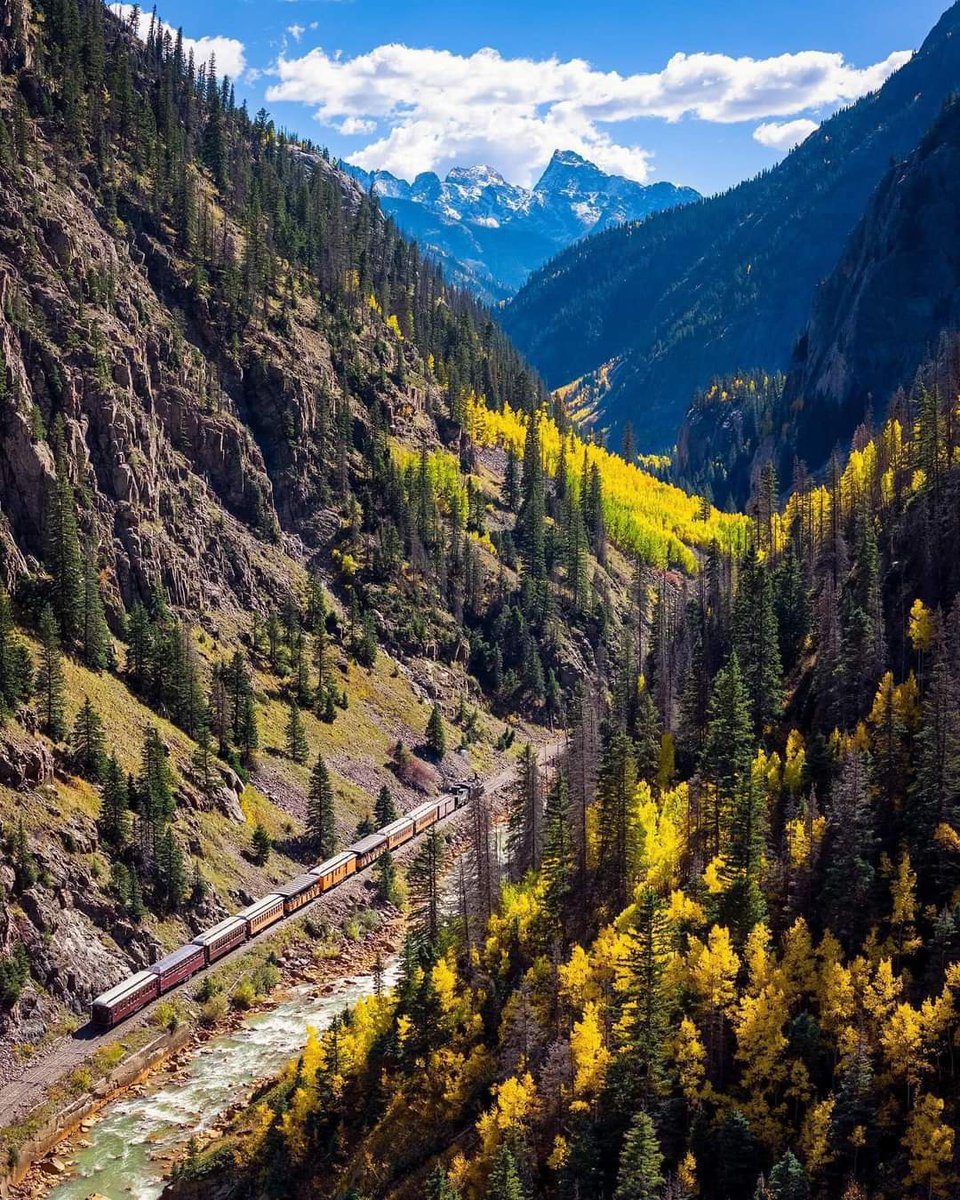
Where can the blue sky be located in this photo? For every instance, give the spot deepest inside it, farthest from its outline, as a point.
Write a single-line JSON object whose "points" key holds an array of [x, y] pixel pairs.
{"points": [[403, 85]]}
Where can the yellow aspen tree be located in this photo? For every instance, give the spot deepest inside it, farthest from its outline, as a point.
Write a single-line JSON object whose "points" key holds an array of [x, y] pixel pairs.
{"points": [[690, 1058], [928, 1143], [815, 1136]]}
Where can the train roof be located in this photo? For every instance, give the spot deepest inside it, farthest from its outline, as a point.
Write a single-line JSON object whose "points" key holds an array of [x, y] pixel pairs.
{"points": [[370, 842], [421, 809], [293, 887], [396, 826], [331, 864], [215, 931], [259, 906], [119, 990], [174, 958]]}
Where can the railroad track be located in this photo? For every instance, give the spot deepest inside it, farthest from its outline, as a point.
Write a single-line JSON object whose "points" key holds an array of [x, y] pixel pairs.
{"points": [[29, 1090]]}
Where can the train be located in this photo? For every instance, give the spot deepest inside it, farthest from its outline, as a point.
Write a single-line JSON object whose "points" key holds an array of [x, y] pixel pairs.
{"points": [[132, 994]]}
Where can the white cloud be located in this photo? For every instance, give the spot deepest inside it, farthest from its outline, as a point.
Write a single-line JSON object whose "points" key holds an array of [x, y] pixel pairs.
{"points": [[350, 126], [784, 135], [230, 54], [296, 31], [433, 109]]}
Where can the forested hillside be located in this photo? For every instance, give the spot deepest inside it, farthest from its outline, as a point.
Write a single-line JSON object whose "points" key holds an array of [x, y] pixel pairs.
{"points": [[724, 960], [876, 319], [251, 546], [725, 285]]}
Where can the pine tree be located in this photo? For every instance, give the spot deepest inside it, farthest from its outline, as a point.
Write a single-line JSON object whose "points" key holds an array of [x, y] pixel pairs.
{"points": [[63, 544], [743, 903], [156, 782], [423, 880], [16, 664], [504, 1182], [170, 877], [321, 811], [728, 743], [88, 747], [525, 817], [439, 1186], [641, 1162], [94, 634], [51, 681], [531, 519], [848, 854], [557, 864], [114, 819], [296, 736], [436, 735], [756, 637], [140, 646], [261, 844], [388, 881], [616, 791], [385, 809]]}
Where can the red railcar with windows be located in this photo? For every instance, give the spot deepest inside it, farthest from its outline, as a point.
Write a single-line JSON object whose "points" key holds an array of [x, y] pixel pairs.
{"points": [[126, 998], [221, 938], [179, 966]]}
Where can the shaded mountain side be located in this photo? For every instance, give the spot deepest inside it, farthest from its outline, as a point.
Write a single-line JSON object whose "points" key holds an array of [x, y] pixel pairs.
{"points": [[878, 317], [726, 284]]}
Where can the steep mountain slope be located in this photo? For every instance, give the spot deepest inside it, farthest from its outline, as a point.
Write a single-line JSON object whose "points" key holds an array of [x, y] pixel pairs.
{"points": [[726, 284], [490, 234], [894, 293], [248, 526]]}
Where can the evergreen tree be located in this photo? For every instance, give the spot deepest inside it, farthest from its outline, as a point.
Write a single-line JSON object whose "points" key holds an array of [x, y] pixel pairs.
{"points": [[725, 760], [261, 844], [388, 881], [557, 864], [16, 664], [525, 816], [156, 782], [756, 637], [641, 1162], [436, 735], [439, 1186], [321, 811], [88, 747], [504, 1182], [51, 681], [616, 791], [742, 844], [531, 519], [63, 544], [848, 853], [788, 1181], [385, 809], [114, 819], [423, 880], [296, 735], [94, 634]]}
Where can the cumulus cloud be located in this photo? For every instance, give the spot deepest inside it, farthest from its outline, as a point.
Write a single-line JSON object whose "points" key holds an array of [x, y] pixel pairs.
{"points": [[230, 54], [433, 109], [784, 135]]}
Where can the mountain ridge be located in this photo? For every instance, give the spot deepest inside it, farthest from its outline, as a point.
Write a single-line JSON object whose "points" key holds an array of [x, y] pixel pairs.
{"points": [[726, 284], [489, 233]]}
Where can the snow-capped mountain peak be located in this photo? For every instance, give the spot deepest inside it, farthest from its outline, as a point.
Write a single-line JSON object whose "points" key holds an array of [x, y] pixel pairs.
{"points": [[491, 234]]}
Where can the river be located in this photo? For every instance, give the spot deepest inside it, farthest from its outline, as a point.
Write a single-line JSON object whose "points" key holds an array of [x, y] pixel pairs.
{"points": [[131, 1143], [134, 1138]]}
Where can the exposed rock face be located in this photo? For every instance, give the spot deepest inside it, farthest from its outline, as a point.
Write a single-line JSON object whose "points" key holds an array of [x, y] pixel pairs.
{"points": [[25, 762]]}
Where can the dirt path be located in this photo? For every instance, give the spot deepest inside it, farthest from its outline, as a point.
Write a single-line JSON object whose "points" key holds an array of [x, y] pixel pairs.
{"points": [[29, 1089]]}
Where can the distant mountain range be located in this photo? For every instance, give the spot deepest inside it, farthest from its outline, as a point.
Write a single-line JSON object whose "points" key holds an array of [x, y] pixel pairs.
{"points": [[659, 309], [490, 234]]}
